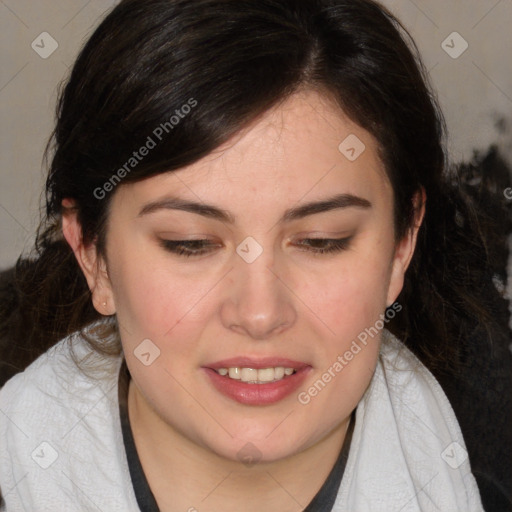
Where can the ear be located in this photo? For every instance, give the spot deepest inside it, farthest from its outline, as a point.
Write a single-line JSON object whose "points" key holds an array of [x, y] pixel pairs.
{"points": [[93, 266], [405, 249]]}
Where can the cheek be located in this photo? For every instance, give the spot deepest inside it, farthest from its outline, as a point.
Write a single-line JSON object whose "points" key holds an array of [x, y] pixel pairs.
{"points": [[152, 296], [351, 304], [351, 294], [156, 304]]}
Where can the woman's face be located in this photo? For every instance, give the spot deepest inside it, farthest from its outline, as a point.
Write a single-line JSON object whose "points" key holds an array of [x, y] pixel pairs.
{"points": [[260, 289]]}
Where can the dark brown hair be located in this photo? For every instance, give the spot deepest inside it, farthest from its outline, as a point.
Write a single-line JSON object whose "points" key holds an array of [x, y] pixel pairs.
{"points": [[236, 59]]}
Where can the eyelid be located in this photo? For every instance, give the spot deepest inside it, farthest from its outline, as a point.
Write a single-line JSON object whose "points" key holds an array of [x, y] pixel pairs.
{"points": [[175, 236], [173, 246], [330, 235], [331, 245]]}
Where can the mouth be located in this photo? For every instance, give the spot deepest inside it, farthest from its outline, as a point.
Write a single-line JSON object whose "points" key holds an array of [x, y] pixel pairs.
{"points": [[256, 376], [257, 381], [257, 371]]}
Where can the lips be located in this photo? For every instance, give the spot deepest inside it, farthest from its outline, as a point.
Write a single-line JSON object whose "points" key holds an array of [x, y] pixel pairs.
{"points": [[257, 393], [256, 363]]}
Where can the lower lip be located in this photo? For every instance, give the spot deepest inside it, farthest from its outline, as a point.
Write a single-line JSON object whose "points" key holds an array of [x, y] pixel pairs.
{"points": [[258, 394]]}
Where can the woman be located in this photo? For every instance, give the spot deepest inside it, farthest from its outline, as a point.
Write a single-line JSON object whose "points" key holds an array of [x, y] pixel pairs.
{"points": [[246, 198]]}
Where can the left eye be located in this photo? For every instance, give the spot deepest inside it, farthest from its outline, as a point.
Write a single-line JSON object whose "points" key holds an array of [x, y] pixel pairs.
{"points": [[200, 247], [327, 245]]}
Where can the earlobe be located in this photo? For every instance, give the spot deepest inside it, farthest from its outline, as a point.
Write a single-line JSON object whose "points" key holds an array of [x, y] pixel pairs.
{"points": [[88, 260], [405, 249]]}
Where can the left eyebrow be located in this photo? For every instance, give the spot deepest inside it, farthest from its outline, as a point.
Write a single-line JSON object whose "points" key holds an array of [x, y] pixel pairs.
{"points": [[298, 212], [325, 205]]}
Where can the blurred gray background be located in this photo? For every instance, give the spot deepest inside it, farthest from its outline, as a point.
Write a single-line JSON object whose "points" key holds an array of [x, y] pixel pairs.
{"points": [[466, 46]]}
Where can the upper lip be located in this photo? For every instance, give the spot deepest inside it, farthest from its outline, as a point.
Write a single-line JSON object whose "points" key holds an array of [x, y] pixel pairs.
{"points": [[259, 363]]}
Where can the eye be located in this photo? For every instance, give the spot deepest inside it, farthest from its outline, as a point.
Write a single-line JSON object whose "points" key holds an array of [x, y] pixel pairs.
{"points": [[199, 247], [188, 247], [326, 245]]}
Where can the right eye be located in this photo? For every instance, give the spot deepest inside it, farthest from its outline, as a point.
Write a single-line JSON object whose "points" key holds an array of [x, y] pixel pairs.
{"points": [[188, 247]]}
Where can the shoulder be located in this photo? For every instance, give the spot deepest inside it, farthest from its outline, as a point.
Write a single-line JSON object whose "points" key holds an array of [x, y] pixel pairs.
{"points": [[409, 380], [60, 427], [69, 366], [57, 388], [413, 388], [406, 439]]}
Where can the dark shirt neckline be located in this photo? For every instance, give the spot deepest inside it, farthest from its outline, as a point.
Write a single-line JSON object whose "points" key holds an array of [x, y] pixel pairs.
{"points": [[323, 501]]}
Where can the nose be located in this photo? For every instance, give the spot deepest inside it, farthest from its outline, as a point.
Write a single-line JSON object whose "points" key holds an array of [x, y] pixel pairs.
{"points": [[259, 302]]}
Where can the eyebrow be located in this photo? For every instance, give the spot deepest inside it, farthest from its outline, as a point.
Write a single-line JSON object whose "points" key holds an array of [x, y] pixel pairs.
{"points": [[297, 212]]}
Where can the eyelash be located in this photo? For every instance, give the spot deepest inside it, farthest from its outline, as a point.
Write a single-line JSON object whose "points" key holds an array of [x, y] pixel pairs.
{"points": [[177, 246]]}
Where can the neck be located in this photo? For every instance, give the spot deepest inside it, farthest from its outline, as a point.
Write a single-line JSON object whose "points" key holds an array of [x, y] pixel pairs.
{"points": [[185, 476]]}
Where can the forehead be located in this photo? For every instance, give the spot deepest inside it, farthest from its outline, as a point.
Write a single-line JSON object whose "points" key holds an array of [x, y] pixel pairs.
{"points": [[304, 147]]}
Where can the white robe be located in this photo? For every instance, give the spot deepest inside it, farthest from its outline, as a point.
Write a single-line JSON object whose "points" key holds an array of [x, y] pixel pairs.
{"points": [[61, 445]]}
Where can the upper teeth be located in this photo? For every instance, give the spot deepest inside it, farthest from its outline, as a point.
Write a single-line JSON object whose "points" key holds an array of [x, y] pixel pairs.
{"points": [[254, 376]]}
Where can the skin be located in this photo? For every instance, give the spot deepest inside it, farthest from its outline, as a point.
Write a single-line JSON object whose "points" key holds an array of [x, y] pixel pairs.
{"points": [[289, 302]]}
